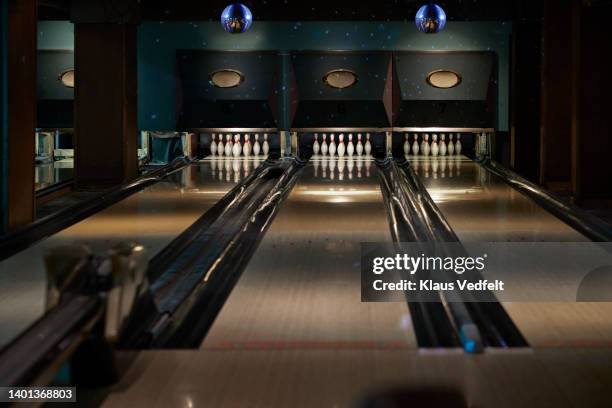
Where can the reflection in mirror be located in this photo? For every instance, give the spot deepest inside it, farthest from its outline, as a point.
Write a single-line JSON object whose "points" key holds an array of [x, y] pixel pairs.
{"points": [[340, 78], [443, 79], [67, 78], [226, 78]]}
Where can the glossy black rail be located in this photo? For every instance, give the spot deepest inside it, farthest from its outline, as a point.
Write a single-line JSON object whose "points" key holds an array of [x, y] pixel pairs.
{"points": [[495, 326], [21, 239]]}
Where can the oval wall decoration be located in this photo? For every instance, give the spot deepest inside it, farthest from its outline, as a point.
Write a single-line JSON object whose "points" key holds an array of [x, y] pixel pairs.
{"points": [[340, 78], [67, 78], [226, 78], [443, 79]]}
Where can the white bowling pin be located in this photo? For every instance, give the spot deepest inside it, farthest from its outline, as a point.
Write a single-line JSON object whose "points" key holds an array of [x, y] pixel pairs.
{"points": [[451, 145], [368, 145], [213, 145], [425, 147], [435, 149], [237, 149], [350, 149], [359, 145], [350, 166], [246, 149], [458, 145], [266, 145], [256, 146], [220, 146], [415, 145], [332, 145], [315, 146], [228, 145], [324, 147], [442, 146], [341, 167], [406, 145], [341, 146]]}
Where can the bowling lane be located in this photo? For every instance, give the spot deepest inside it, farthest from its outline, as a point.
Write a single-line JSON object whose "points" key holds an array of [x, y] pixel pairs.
{"points": [[301, 289], [480, 206], [152, 217]]}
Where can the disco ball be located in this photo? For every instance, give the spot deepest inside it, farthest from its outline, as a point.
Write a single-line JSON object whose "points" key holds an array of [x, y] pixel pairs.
{"points": [[236, 18], [430, 19]]}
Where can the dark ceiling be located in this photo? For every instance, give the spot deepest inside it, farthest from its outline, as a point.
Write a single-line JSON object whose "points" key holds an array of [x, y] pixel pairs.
{"points": [[301, 10]]}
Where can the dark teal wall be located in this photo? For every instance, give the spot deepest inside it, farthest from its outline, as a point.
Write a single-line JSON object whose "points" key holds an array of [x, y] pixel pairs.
{"points": [[158, 42]]}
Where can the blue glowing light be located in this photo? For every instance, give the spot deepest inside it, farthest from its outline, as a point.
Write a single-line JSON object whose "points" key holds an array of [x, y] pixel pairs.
{"points": [[236, 18], [430, 19]]}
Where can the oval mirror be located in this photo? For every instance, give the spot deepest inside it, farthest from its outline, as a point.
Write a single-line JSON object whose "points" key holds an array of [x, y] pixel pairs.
{"points": [[67, 78], [340, 78], [443, 78], [226, 78]]}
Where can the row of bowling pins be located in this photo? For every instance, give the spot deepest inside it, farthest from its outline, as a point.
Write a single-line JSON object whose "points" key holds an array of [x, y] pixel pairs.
{"points": [[232, 169], [440, 167], [435, 148], [236, 147], [341, 149], [332, 167]]}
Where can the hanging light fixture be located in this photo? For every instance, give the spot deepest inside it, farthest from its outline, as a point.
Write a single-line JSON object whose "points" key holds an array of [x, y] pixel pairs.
{"points": [[430, 18], [236, 18]]}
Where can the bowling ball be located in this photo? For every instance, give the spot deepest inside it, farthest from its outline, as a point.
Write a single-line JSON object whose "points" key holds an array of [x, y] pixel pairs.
{"points": [[236, 18], [430, 19]]}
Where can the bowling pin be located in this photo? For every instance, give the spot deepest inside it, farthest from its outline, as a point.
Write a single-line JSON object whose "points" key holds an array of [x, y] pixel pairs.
{"points": [[256, 146], [236, 168], [368, 145], [415, 145], [341, 167], [213, 145], [228, 168], [266, 145], [324, 147], [246, 149], [406, 145], [341, 146], [220, 146], [228, 145], [425, 137], [451, 145], [442, 146], [237, 149], [315, 146], [425, 146], [350, 166], [332, 145], [324, 166], [359, 145], [435, 149], [458, 144], [350, 149]]}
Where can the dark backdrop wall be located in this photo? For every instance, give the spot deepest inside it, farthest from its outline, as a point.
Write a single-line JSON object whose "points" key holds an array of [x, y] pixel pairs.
{"points": [[158, 43]]}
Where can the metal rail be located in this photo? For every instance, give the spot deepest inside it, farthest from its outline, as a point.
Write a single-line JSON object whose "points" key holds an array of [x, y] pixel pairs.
{"points": [[19, 240], [490, 319]]}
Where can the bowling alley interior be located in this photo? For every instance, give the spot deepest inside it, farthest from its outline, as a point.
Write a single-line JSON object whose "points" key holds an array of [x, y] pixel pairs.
{"points": [[219, 203]]}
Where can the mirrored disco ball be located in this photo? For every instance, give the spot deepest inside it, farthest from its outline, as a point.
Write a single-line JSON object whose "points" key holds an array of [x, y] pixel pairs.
{"points": [[430, 19], [236, 18]]}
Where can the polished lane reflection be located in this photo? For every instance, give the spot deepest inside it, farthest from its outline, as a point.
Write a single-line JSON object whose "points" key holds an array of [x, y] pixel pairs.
{"points": [[480, 206], [301, 289], [152, 217]]}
